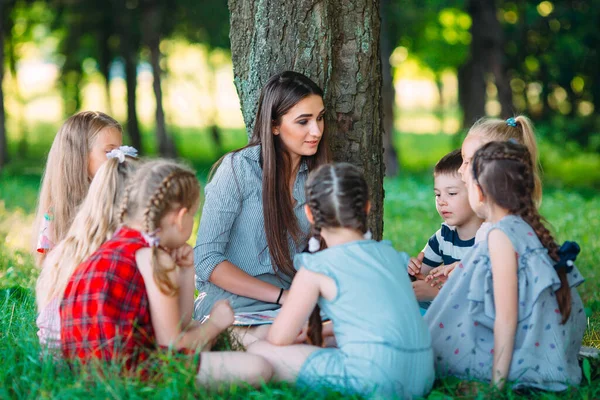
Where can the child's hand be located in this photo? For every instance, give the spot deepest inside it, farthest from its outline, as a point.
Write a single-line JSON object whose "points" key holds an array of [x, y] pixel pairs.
{"points": [[424, 291], [439, 275], [415, 264], [303, 335], [221, 315], [183, 256]]}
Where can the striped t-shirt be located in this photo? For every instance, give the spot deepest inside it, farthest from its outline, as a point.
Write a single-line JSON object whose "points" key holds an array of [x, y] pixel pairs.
{"points": [[445, 247]]}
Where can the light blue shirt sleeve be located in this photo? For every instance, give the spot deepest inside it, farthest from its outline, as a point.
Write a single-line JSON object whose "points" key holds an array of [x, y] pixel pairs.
{"points": [[224, 195]]}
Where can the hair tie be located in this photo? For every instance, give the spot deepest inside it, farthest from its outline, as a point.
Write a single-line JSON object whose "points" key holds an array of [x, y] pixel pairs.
{"points": [[151, 238], [513, 141], [567, 254], [314, 244], [511, 122], [121, 152]]}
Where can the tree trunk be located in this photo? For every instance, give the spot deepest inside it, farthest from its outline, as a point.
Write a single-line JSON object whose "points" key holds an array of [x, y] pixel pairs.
{"points": [[166, 147], [471, 91], [496, 56], [104, 60], [336, 44], [129, 52], [388, 95], [486, 56], [3, 141]]}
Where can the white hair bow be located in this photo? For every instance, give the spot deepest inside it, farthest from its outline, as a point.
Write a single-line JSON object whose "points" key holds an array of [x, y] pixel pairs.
{"points": [[151, 238], [121, 152]]}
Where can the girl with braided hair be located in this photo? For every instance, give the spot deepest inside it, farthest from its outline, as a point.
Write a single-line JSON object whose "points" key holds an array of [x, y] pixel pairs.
{"points": [[362, 285], [511, 311], [133, 297]]}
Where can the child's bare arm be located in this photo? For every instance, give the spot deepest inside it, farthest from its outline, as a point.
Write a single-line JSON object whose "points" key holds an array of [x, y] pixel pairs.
{"points": [[295, 311], [184, 258], [171, 326], [506, 292]]}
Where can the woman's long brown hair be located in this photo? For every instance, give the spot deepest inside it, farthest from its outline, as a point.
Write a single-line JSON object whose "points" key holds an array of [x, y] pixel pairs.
{"points": [[511, 165], [282, 92]]}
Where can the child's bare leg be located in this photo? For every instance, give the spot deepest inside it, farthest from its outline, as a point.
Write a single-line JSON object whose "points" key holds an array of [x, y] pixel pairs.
{"points": [[286, 360], [247, 335], [226, 367]]}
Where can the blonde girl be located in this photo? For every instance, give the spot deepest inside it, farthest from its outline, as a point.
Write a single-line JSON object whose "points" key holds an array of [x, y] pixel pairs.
{"points": [[78, 151], [512, 313], [488, 130], [135, 294], [519, 129], [95, 223]]}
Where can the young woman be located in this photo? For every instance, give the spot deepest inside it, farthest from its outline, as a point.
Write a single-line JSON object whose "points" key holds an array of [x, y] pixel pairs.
{"points": [[253, 221]]}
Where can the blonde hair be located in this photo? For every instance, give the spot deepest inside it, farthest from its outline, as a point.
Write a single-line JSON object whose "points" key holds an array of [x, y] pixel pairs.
{"points": [[494, 129], [65, 182], [95, 222], [157, 188]]}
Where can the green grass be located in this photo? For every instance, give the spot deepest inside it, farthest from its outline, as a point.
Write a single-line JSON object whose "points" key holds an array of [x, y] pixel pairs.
{"points": [[410, 218]]}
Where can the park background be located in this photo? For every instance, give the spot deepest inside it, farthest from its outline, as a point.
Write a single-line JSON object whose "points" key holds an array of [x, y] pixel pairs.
{"points": [[444, 63]]}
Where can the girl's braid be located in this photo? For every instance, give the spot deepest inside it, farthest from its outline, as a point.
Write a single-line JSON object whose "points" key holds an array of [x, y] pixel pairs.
{"points": [[154, 208], [124, 205], [527, 210], [360, 204], [156, 203]]}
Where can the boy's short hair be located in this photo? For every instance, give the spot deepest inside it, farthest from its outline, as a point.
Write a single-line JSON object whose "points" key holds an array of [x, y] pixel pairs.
{"points": [[449, 164]]}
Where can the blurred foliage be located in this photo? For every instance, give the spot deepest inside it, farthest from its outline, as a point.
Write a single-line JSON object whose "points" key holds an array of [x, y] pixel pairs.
{"points": [[551, 47]]}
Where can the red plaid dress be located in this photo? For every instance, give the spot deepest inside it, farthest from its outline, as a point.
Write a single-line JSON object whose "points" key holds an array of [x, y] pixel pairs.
{"points": [[105, 313]]}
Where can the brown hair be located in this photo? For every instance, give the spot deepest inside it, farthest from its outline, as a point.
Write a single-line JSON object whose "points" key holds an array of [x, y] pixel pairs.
{"points": [[505, 174], [337, 195], [282, 92], [494, 129], [449, 164], [95, 222], [157, 188], [65, 182]]}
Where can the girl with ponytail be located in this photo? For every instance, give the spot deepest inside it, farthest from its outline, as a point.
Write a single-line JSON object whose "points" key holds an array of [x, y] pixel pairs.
{"points": [[362, 286], [94, 223], [511, 313]]}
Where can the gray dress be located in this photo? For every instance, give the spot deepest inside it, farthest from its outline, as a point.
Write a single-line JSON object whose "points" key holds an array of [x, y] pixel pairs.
{"points": [[232, 228], [461, 318]]}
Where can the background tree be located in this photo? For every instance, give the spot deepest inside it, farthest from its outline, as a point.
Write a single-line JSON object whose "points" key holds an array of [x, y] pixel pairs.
{"points": [[336, 45], [5, 9]]}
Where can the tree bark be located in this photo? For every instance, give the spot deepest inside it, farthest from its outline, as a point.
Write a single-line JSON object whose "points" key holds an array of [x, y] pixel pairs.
{"points": [[3, 141], [151, 17], [336, 44], [388, 94]]}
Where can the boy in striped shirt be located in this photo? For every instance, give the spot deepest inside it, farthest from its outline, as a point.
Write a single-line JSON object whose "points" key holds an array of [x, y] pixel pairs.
{"points": [[457, 233]]}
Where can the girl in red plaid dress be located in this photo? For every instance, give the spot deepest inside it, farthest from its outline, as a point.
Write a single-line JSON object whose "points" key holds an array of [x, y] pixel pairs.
{"points": [[135, 295]]}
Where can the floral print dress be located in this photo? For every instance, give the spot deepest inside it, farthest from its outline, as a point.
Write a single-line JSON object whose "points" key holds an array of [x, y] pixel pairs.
{"points": [[461, 318]]}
